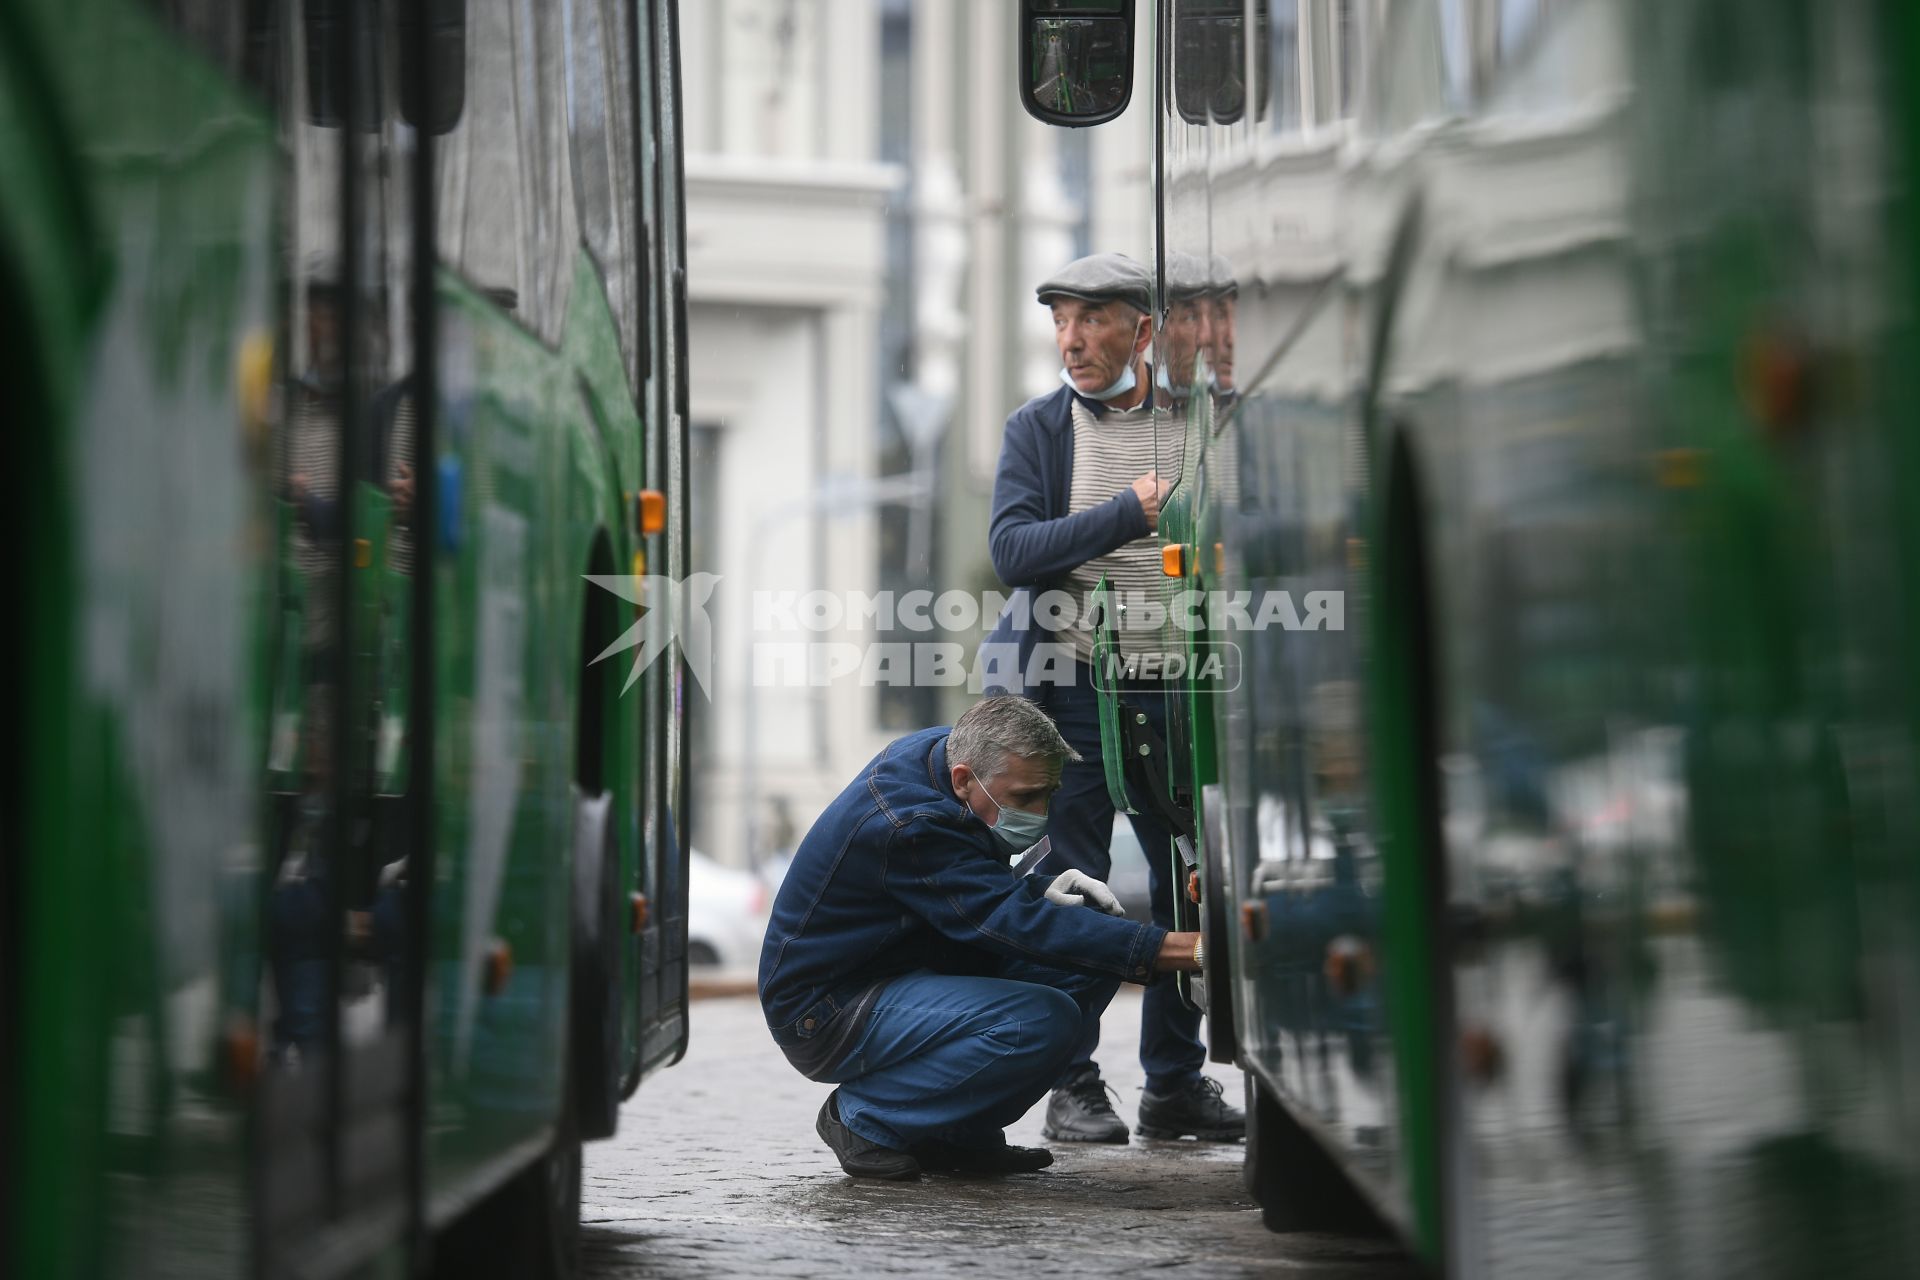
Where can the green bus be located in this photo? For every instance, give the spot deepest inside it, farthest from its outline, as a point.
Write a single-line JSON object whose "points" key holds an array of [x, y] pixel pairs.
{"points": [[1560, 900], [344, 884]]}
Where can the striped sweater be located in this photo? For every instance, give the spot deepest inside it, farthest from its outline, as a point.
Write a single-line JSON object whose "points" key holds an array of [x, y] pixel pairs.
{"points": [[1110, 452]]}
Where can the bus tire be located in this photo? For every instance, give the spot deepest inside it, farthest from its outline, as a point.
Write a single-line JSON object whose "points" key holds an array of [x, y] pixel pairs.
{"points": [[1297, 1185], [1223, 1037], [597, 936]]}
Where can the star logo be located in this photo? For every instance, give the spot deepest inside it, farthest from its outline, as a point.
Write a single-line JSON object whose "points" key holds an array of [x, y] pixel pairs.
{"points": [[669, 609]]}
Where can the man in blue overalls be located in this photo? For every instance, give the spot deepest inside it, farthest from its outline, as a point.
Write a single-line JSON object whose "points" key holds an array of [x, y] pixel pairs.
{"points": [[940, 989]]}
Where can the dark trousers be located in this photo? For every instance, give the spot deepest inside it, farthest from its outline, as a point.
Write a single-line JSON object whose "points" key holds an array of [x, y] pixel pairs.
{"points": [[1080, 824]]}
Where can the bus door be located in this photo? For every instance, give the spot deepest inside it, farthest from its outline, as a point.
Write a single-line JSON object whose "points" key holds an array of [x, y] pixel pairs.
{"points": [[658, 961], [336, 1124]]}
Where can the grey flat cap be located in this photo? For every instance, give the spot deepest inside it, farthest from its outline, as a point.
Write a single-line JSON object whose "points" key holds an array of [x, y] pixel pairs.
{"points": [[1187, 276], [1220, 273], [1101, 277]]}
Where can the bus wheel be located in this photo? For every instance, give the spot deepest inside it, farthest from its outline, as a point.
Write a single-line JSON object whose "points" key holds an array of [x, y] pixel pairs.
{"points": [[1297, 1185], [597, 939], [1216, 907]]}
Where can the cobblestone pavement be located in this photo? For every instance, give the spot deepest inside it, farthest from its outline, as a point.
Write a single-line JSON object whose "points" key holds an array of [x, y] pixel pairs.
{"points": [[717, 1172]]}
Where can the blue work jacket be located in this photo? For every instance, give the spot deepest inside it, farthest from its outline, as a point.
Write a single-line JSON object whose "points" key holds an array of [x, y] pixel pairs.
{"points": [[1034, 543], [898, 876]]}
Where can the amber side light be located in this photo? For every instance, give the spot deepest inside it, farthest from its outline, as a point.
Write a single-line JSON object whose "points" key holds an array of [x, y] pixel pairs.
{"points": [[653, 511], [499, 966]]}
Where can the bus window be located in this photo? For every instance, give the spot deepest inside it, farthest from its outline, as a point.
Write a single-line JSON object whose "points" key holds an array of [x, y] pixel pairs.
{"points": [[324, 29], [1282, 104], [506, 210], [600, 129], [240, 39], [447, 32], [1076, 66], [1210, 61]]}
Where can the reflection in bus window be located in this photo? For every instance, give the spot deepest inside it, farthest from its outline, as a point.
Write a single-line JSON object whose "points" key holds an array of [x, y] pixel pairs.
{"points": [[1283, 40], [506, 210], [1210, 61], [447, 31], [600, 126]]}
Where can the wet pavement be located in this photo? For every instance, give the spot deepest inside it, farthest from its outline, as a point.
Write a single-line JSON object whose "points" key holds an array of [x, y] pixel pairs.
{"points": [[717, 1172]]}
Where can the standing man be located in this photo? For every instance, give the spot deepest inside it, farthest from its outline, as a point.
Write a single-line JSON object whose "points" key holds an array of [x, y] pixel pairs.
{"points": [[941, 990], [1077, 496], [1225, 297], [1186, 339]]}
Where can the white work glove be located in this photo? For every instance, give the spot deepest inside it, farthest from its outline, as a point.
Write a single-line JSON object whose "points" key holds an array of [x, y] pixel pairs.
{"points": [[1073, 888]]}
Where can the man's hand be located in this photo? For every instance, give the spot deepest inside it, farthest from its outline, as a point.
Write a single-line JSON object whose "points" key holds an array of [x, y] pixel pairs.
{"points": [[1176, 954], [1152, 491], [1073, 888]]}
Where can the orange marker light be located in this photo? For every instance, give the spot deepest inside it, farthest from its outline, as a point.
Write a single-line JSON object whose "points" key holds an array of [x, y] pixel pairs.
{"points": [[499, 967], [240, 1054], [1219, 559], [1173, 560], [1348, 965], [653, 511], [1776, 378], [640, 912], [1253, 920], [1679, 468], [362, 553]]}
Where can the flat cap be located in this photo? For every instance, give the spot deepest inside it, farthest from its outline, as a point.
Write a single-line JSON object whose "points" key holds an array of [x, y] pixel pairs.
{"points": [[1225, 282], [1101, 277], [1187, 276]]}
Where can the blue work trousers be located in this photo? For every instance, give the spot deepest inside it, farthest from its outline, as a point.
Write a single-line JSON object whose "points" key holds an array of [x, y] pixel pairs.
{"points": [[959, 1058], [1080, 823]]}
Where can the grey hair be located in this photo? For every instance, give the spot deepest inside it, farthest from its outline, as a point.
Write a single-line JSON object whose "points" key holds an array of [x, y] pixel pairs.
{"points": [[1004, 725]]}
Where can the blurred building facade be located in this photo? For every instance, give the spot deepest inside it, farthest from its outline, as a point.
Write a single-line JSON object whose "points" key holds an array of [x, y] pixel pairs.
{"points": [[868, 208]]}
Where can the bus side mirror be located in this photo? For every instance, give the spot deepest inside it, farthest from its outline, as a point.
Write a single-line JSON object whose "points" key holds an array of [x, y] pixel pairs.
{"points": [[1076, 60]]}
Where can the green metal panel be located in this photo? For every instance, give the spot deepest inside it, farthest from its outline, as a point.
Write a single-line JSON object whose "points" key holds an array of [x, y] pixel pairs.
{"points": [[165, 700], [139, 193], [1106, 648]]}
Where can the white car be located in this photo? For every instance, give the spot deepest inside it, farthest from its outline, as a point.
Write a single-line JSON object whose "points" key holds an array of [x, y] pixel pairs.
{"points": [[726, 914]]}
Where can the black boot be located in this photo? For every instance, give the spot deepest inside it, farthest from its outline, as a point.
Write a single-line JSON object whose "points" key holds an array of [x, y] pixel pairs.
{"points": [[1196, 1110], [859, 1157], [1079, 1111]]}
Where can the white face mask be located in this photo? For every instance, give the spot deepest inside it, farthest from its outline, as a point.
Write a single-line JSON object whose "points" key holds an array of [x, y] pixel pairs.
{"points": [[1120, 386], [1161, 380]]}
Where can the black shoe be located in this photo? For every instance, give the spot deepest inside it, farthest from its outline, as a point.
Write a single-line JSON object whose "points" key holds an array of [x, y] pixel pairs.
{"points": [[1079, 1111], [947, 1157], [1197, 1110], [859, 1157]]}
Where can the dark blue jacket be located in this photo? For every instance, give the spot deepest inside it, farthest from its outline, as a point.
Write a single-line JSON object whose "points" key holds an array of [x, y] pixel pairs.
{"points": [[1033, 541], [898, 875]]}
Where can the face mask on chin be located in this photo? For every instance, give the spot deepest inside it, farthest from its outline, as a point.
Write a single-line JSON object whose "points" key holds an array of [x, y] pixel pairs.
{"points": [[1126, 382], [1165, 383]]}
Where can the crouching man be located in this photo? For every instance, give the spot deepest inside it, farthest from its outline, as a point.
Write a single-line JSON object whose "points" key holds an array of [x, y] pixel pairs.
{"points": [[939, 988]]}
